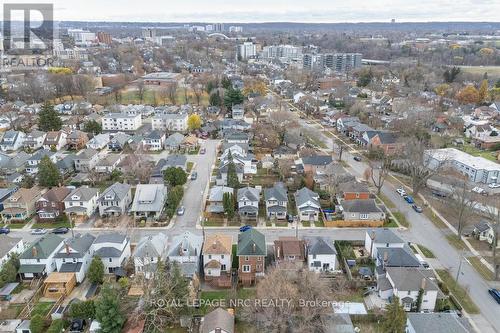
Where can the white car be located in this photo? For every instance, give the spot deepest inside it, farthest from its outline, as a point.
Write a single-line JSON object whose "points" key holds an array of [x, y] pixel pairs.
{"points": [[494, 185], [478, 190], [401, 192], [38, 231]]}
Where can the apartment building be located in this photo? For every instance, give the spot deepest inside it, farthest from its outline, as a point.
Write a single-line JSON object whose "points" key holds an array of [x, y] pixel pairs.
{"points": [[121, 122]]}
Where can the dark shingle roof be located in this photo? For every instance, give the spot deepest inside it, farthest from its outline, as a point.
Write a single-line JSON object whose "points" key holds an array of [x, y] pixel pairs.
{"points": [[251, 243], [320, 245], [360, 206], [278, 191], [317, 160]]}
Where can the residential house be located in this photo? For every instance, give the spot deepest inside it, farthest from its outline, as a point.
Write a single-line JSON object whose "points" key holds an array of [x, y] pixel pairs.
{"points": [[175, 161], [36, 158], [10, 246], [86, 160], [221, 177], [185, 249], [289, 250], [75, 256], [115, 200], [174, 141], [307, 203], [484, 232], [248, 202], [118, 141], [66, 165], [217, 259], [38, 259], [311, 163], [5, 193], [77, 140], [16, 163], [276, 199], [216, 197], [154, 140], [378, 238], [174, 122], [121, 122], [148, 251], [34, 140], [81, 203], [218, 321], [51, 205], [395, 257], [385, 141], [21, 204], [99, 141], [442, 322], [236, 137], [251, 252], [358, 209], [353, 190], [238, 112], [55, 140], [149, 201], [190, 143], [321, 254], [113, 249], [109, 163], [12, 140]]}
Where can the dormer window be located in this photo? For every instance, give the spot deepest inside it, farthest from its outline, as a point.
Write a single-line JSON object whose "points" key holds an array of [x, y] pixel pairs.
{"points": [[75, 197]]}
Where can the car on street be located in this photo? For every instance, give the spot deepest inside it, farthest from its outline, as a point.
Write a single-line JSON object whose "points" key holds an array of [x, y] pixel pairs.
{"points": [[203, 151], [4, 230], [495, 293], [357, 158], [61, 230], [416, 208], [38, 231], [194, 175], [181, 210], [409, 199], [245, 228], [494, 185], [401, 191]]}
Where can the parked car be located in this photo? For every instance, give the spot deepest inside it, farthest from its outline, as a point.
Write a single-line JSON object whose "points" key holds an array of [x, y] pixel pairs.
{"points": [[203, 151], [38, 231], [494, 185], [4, 230], [357, 158], [61, 230], [194, 175], [181, 210], [495, 293], [409, 199], [245, 228], [479, 190], [401, 191], [77, 326], [416, 208], [439, 194]]}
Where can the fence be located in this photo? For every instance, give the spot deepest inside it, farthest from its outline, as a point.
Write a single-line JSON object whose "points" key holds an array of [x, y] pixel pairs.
{"points": [[353, 223]]}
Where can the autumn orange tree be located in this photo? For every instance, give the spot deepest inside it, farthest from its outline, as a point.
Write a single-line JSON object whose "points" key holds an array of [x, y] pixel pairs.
{"points": [[468, 95], [483, 91]]}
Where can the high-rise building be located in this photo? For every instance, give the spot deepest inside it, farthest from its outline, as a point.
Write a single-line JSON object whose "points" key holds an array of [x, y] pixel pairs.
{"points": [[82, 37], [148, 33], [286, 53], [247, 50], [234, 28], [104, 37], [338, 62], [218, 27]]}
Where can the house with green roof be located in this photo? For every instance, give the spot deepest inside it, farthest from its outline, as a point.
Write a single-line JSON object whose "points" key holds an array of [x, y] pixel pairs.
{"points": [[38, 259], [251, 252]]}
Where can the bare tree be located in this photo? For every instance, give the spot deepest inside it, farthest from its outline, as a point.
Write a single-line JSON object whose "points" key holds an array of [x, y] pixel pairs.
{"points": [[493, 210], [141, 90], [462, 203], [379, 172], [172, 93]]}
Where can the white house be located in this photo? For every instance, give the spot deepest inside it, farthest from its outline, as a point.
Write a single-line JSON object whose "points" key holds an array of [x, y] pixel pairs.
{"points": [[378, 238], [321, 254], [12, 140], [8, 247], [113, 249], [98, 142], [36, 158], [38, 259], [121, 122], [34, 140], [248, 202], [115, 200], [307, 203], [147, 253], [186, 251], [81, 202], [75, 256], [238, 112], [154, 140], [149, 201], [177, 122]]}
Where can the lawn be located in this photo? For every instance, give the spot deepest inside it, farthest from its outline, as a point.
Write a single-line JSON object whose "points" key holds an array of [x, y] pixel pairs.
{"points": [[478, 152], [401, 219], [387, 202], [41, 308], [189, 166], [391, 224], [481, 268], [16, 225], [214, 223], [435, 219], [66, 224], [456, 242], [491, 70], [427, 253], [460, 293], [306, 224]]}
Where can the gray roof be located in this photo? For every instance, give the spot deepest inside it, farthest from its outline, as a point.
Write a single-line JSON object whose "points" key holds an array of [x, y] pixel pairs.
{"points": [[397, 256], [38, 155], [251, 243], [320, 245], [86, 154], [317, 160], [7, 244], [71, 267], [304, 194], [80, 244], [217, 192], [438, 322], [174, 139], [360, 206], [68, 162], [354, 186], [44, 247], [149, 198], [118, 191], [108, 252], [385, 236], [186, 244], [410, 278], [278, 192], [250, 193], [84, 194], [154, 135], [175, 161], [219, 318], [152, 246], [113, 237]]}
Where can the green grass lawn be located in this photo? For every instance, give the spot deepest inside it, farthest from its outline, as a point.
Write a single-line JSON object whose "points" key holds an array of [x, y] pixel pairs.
{"points": [[401, 219], [387, 202], [391, 224], [459, 292], [42, 308], [481, 268], [456, 242], [51, 225], [306, 223], [189, 166], [427, 253], [478, 152], [214, 223]]}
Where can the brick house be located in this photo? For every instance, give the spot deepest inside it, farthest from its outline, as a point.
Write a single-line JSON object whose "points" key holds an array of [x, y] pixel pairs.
{"points": [[353, 190], [251, 252], [51, 205]]}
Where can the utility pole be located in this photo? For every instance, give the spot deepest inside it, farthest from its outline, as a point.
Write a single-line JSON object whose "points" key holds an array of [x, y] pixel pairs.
{"points": [[459, 267]]}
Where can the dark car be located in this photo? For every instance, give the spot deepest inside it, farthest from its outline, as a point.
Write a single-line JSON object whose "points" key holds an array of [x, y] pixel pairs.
{"points": [[495, 293], [4, 230], [357, 158], [194, 175], [416, 208], [77, 326], [61, 230], [289, 218], [245, 228]]}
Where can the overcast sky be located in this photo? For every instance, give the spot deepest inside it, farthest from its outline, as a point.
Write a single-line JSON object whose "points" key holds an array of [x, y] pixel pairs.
{"points": [[317, 11]]}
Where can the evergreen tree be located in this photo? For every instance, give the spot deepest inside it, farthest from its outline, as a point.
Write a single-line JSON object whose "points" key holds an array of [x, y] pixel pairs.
{"points": [[215, 99], [233, 97], [394, 318], [96, 270], [93, 127], [48, 118], [48, 173], [483, 91], [37, 324], [232, 176], [226, 83], [107, 310], [228, 204]]}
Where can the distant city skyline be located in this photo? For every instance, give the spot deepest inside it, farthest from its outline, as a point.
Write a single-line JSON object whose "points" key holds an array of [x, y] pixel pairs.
{"points": [[257, 11]]}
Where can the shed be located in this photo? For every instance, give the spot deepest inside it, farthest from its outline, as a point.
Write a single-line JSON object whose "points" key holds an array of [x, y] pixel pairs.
{"points": [[6, 291], [59, 284]]}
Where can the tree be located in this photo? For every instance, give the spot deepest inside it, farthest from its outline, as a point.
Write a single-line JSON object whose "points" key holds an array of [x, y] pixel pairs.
{"points": [[228, 204], [82, 309], [96, 270], [48, 173], [226, 83], [141, 91], [450, 75], [468, 95], [462, 203], [492, 208], [215, 99], [107, 310], [394, 317], [8, 273], [365, 78], [483, 91], [172, 93], [93, 127], [48, 118], [194, 122], [233, 97], [232, 176], [379, 173], [175, 176], [37, 324], [174, 199]]}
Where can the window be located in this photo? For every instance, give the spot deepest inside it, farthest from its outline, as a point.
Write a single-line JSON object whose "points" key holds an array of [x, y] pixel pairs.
{"points": [[246, 268], [209, 256], [222, 256], [110, 260], [363, 216], [357, 195], [259, 258], [223, 267], [291, 257], [246, 258]]}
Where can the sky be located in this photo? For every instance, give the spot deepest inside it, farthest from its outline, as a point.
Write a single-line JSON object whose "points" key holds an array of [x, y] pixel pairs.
{"points": [[245, 11]]}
